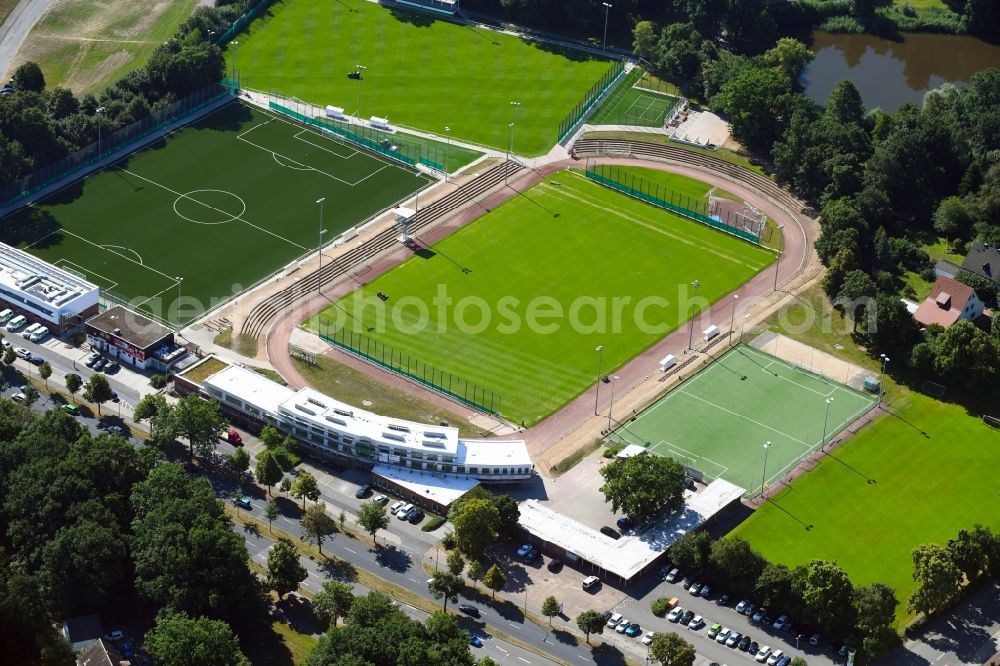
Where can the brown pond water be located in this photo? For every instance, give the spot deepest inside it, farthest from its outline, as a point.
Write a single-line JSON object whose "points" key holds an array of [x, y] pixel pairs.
{"points": [[889, 73]]}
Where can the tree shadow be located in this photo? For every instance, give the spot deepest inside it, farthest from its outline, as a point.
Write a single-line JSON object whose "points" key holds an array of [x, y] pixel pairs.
{"points": [[31, 226], [416, 19], [606, 654], [338, 569], [393, 558], [565, 637], [231, 118], [260, 642], [297, 612]]}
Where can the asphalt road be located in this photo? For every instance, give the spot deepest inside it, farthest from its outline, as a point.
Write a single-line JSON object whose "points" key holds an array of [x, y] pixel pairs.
{"points": [[16, 28]]}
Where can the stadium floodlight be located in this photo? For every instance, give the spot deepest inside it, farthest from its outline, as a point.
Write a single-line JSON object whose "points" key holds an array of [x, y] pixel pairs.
{"points": [[732, 320], [97, 113], [359, 77], [510, 135], [694, 284], [612, 404], [881, 379], [447, 148], [597, 393], [180, 280], [781, 251], [826, 418], [607, 8], [319, 247], [763, 474], [235, 44]]}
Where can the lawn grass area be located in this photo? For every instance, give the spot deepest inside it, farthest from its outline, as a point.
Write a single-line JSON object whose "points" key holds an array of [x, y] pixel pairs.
{"points": [[422, 71], [205, 369], [672, 186], [245, 345], [921, 287], [916, 476], [723, 154], [567, 249], [84, 45], [211, 210], [299, 645], [6, 7], [355, 388], [717, 420]]}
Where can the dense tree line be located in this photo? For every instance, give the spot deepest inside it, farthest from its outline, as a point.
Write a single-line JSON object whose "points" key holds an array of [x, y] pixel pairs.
{"points": [[944, 573], [92, 524], [819, 594]]}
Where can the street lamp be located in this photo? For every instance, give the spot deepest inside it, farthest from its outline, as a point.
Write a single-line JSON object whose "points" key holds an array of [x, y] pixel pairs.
{"points": [[319, 248], [694, 284], [732, 320], [763, 474], [447, 148], [98, 113], [235, 44], [510, 134], [361, 69], [597, 394], [777, 261], [881, 379], [612, 405], [826, 418], [607, 7]]}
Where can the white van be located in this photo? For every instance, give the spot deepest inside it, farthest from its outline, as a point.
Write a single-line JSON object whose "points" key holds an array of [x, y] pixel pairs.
{"points": [[6, 315], [28, 332], [404, 512], [16, 323], [39, 333]]}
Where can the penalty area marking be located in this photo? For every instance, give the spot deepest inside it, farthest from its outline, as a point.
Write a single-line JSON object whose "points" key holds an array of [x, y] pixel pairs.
{"points": [[112, 248], [80, 269]]}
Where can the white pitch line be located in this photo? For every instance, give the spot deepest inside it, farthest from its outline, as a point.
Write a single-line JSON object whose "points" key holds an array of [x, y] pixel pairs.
{"points": [[358, 182], [316, 145], [119, 254], [728, 411], [276, 154]]}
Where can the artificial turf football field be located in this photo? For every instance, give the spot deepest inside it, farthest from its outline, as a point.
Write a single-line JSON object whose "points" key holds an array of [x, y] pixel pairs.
{"points": [[565, 243], [918, 475], [422, 71], [208, 211]]}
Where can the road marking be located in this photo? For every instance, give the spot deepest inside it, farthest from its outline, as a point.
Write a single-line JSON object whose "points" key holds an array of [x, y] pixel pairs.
{"points": [[582, 658], [350, 551], [501, 649], [524, 660]]}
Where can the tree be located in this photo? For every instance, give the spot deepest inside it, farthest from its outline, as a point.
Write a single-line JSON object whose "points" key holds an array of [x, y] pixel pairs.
{"points": [[510, 514], [342, 518], [887, 327], [671, 650], [284, 571], [475, 527], [844, 103], [494, 579], [643, 485], [267, 470], [678, 51], [45, 371], [9, 357], [951, 219], [551, 608], [179, 640], [97, 390], [644, 38], [333, 601], [966, 355], [774, 586], [286, 484], [31, 395], [29, 77], [590, 622], [738, 564], [789, 56], [149, 407], [372, 517], [455, 563], [474, 572], [970, 551], [270, 437], [756, 102], [271, 513], [305, 487], [855, 290], [840, 266], [938, 579], [828, 594], [200, 422], [240, 461], [317, 525], [73, 385], [876, 607], [692, 552], [445, 585]]}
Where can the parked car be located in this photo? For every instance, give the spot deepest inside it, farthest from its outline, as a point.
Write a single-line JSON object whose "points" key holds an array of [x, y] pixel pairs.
{"points": [[815, 639], [23, 352], [72, 410], [18, 397], [781, 621], [404, 512], [607, 531], [469, 610], [99, 365], [475, 641], [555, 566], [92, 359], [363, 491], [714, 630], [633, 630], [613, 620], [759, 615], [774, 658], [723, 635], [591, 582], [696, 623], [416, 515], [243, 501], [752, 650], [6, 343], [695, 588], [624, 524], [396, 506], [381, 499], [115, 635], [622, 626], [784, 661], [672, 576], [742, 606], [687, 617], [705, 591], [734, 639], [744, 644], [648, 638], [36, 359], [524, 550], [675, 614], [112, 366], [723, 600], [748, 610], [763, 653]]}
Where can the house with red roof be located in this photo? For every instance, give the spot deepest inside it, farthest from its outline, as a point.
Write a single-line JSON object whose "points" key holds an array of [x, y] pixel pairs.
{"points": [[949, 301]]}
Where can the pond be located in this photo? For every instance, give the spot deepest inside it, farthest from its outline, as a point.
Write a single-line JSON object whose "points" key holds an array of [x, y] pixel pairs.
{"points": [[889, 73]]}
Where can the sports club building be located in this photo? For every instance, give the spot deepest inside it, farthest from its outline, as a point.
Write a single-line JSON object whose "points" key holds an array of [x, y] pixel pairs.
{"points": [[133, 340], [43, 293]]}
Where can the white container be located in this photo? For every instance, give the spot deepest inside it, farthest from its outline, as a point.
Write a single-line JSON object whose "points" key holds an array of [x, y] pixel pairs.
{"points": [[667, 362], [710, 332]]}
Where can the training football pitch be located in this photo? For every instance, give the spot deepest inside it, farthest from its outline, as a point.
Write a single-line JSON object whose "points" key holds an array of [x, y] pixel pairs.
{"points": [[532, 287], [917, 475], [208, 211], [630, 105], [718, 421], [421, 71]]}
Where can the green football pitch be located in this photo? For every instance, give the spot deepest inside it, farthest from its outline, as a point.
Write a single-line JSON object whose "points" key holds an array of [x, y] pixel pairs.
{"points": [[566, 246], [630, 105], [207, 212], [916, 475], [718, 421], [422, 71]]}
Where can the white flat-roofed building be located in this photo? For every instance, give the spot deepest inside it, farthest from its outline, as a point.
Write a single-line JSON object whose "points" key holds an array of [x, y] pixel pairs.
{"points": [[329, 426], [429, 490], [637, 550], [44, 293]]}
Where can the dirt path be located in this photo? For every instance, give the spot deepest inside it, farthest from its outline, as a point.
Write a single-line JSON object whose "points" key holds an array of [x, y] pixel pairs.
{"points": [[576, 425]]}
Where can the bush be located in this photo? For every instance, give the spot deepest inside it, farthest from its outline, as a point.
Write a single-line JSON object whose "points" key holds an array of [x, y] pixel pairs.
{"points": [[449, 541], [928, 275], [158, 381], [433, 523], [660, 606], [842, 24]]}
